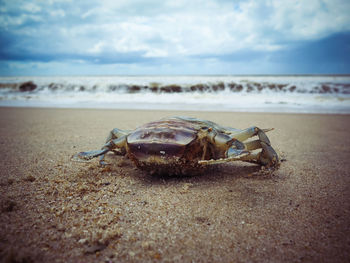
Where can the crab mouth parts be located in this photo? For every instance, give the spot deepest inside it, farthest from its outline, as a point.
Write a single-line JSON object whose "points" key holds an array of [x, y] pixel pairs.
{"points": [[156, 165], [163, 151], [159, 158]]}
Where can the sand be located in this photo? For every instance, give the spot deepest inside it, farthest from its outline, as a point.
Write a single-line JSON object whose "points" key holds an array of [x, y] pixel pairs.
{"points": [[56, 210]]}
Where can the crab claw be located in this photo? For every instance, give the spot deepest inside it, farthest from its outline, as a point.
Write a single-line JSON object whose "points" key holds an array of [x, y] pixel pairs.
{"points": [[263, 137], [268, 156], [232, 152], [237, 148]]}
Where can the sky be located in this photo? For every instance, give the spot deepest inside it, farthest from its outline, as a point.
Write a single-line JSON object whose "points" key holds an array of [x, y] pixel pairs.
{"points": [[156, 37]]}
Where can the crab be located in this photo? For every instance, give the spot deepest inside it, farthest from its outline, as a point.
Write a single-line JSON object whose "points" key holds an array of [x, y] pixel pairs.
{"points": [[185, 145]]}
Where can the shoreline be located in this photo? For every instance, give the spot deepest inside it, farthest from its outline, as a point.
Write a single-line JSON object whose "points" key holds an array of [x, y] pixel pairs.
{"points": [[53, 209], [297, 94], [176, 108]]}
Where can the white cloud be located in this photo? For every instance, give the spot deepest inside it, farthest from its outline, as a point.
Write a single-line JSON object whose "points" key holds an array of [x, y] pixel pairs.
{"points": [[156, 53], [30, 7], [313, 19], [58, 13], [97, 48], [212, 27], [9, 22]]}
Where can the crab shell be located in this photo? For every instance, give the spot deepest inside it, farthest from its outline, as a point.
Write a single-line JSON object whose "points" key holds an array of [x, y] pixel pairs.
{"points": [[173, 146]]}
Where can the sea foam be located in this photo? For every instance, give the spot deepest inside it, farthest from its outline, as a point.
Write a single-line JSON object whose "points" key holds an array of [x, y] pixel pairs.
{"points": [[309, 94]]}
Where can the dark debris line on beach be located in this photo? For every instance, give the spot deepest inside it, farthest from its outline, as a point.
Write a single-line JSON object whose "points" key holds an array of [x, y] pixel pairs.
{"points": [[153, 87]]}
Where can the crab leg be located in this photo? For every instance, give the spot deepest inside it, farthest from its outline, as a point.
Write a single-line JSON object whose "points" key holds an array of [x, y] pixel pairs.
{"points": [[237, 157], [116, 133], [81, 156], [115, 145], [250, 132], [253, 145]]}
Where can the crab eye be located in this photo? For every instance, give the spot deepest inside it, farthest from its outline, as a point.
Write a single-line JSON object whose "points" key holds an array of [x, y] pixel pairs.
{"points": [[206, 128]]}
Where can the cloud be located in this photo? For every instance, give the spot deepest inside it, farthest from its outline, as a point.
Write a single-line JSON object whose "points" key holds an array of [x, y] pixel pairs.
{"points": [[123, 31]]}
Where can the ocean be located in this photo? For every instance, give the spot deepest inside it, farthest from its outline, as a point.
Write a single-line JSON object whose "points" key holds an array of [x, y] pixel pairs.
{"points": [[293, 94]]}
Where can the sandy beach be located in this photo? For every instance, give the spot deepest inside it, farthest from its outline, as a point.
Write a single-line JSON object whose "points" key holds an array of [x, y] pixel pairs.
{"points": [[57, 210]]}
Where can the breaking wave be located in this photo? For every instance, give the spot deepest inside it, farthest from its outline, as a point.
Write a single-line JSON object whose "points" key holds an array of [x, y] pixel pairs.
{"points": [[72, 84], [320, 94]]}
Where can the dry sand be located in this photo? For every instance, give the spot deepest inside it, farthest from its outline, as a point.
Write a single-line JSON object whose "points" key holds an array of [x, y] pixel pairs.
{"points": [[56, 210]]}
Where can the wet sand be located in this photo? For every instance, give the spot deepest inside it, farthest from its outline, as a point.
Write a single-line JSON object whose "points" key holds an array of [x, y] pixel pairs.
{"points": [[56, 210]]}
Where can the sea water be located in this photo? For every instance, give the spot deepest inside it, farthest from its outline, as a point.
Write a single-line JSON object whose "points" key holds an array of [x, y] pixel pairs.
{"points": [[299, 94]]}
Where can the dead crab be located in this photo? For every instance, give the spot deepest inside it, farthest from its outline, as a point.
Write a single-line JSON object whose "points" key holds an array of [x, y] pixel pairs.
{"points": [[182, 145]]}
